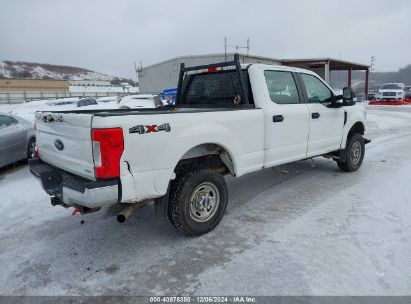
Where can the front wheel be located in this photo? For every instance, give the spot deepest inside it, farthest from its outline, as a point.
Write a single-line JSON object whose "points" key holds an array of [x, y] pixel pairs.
{"points": [[198, 200], [31, 147], [355, 151]]}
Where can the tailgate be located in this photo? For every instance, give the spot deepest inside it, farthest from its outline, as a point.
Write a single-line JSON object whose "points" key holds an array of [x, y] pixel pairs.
{"points": [[64, 140]]}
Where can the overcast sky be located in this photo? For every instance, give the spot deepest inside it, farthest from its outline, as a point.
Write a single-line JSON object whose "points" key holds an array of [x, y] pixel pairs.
{"points": [[109, 36]]}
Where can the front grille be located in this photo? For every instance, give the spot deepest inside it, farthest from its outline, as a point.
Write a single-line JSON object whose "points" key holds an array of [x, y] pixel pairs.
{"points": [[389, 94]]}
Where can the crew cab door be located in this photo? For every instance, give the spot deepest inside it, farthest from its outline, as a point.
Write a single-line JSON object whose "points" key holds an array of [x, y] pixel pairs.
{"points": [[288, 118], [326, 121]]}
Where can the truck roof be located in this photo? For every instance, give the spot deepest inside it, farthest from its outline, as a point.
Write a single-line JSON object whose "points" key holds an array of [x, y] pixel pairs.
{"points": [[277, 67]]}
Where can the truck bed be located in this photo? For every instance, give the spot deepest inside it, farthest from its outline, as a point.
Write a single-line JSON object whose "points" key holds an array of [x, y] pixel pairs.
{"points": [[165, 110]]}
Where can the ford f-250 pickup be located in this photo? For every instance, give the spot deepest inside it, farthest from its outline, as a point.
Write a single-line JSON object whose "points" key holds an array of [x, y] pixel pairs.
{"points": [[229, 118]]}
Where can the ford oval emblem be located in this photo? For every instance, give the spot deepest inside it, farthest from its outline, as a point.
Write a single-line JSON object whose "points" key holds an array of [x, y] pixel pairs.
{"points": [[59, 144]]}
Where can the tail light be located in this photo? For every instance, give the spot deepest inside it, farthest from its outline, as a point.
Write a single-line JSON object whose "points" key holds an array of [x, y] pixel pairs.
{"points": [[107, 150], [212, 69], [36, 152]]}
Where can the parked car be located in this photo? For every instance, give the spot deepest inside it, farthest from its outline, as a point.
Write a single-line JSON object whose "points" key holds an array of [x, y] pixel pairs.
{"points": [[109, 99], [71, 102], [140, 101], [168, 96], [407, 92], [235, 120], [391, 91], [371, 96], [17, 139]]}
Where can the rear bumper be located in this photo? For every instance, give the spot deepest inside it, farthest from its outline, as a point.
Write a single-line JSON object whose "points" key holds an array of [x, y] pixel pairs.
{"points": [[74, 190]]}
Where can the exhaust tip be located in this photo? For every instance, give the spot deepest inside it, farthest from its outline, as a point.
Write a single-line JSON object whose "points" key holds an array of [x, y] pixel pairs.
{"points": [[121, 218], [127, 212]]}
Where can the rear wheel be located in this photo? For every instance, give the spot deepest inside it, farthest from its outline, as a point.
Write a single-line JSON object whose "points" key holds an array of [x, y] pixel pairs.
{"points": [[198, 200], [355, 151]]}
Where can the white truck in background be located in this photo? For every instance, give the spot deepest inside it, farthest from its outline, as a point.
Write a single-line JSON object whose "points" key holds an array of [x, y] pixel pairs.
{"points": [[228, 119]]}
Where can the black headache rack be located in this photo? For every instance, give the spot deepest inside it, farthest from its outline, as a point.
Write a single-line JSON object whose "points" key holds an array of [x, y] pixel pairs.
{"points": [[214, 85]]}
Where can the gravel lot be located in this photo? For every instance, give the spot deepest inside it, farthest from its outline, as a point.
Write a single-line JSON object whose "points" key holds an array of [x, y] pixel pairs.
{"points": [[310, 231]]}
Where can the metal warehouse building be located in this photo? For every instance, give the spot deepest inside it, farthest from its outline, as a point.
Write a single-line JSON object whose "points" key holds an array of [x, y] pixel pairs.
{"points": [[156, 77]]}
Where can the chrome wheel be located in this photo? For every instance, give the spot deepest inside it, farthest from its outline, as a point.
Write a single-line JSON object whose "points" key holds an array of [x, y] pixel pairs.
{"points": [[204, 202], [355, 153]]}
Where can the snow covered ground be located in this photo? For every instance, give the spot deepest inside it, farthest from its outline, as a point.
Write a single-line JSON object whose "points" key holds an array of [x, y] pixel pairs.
{"points": [[312, 231]]}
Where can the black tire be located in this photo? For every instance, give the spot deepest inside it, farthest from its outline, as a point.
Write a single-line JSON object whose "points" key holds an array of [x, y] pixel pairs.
{"points": [[355, 151], [30, 148], [198, 200]]}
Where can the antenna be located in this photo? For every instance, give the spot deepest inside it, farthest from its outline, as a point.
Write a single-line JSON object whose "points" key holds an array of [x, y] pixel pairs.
{"points": [[373, 60], [237, 47], [372, 69], [225, 48], [339, 76], [139, 70]]}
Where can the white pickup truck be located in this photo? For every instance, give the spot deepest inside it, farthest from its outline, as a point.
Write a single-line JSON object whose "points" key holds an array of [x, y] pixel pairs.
{"points": [[229, 118]]}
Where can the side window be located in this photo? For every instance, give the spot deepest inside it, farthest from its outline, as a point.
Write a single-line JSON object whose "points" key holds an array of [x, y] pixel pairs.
{"points": [[281, 87], [317, 91], [6, 121]]}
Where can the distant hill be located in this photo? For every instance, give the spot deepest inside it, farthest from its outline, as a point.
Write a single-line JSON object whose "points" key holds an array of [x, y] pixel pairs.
{"points": [[377, 79], [33, 70]]}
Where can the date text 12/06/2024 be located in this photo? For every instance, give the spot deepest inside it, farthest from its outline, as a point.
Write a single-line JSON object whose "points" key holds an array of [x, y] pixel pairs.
{"points": [[203, 299]]}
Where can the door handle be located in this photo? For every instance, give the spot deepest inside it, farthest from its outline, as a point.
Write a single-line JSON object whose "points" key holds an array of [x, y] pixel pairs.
{"points": [[315, 115], [278, 118]]}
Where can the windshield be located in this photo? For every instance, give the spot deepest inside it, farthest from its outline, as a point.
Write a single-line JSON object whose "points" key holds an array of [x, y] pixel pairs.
{"points": [[391, 86]]}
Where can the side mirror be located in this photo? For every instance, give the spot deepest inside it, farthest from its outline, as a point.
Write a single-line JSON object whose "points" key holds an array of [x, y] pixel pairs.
{"points": [[337, 101], [348, 96]]}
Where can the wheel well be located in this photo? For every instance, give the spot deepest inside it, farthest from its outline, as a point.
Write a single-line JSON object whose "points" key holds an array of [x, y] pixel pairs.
{"points": [[211, 156], [358, 127], [30, 139]]}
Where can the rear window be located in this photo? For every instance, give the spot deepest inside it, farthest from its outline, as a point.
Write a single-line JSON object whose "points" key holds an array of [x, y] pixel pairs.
{"points": [[86, 102], [213, 88], [63, 103]]}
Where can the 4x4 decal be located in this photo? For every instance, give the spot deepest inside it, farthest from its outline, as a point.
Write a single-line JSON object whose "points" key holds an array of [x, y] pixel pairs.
{"points": [[142, 129]]}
